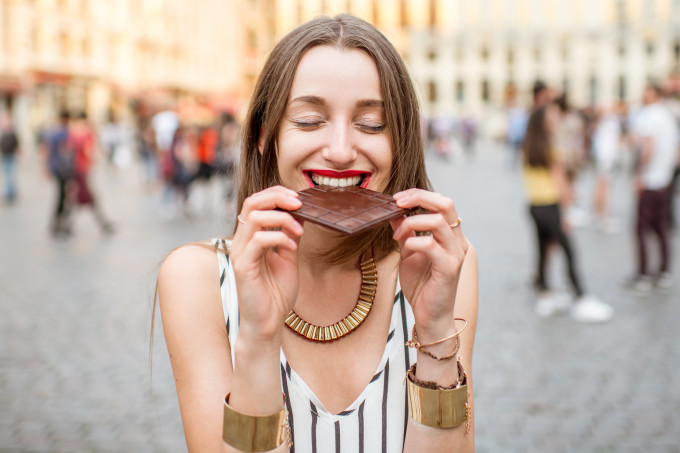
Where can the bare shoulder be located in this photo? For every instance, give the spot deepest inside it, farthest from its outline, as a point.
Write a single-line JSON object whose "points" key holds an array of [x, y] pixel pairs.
{"points": [[189, 276], [193, 263]]}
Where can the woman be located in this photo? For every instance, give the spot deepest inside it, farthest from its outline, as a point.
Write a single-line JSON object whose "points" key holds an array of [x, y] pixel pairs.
{"points": [[334, 98], [548, 190]]}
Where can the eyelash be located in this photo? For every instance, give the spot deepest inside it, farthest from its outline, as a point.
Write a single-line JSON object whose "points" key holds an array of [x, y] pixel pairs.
{"points": [[306, 125], [313, 124], [379, 128]]}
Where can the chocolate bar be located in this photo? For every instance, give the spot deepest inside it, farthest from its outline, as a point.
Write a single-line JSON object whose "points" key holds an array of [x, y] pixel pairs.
{"points": [[349, 210]]}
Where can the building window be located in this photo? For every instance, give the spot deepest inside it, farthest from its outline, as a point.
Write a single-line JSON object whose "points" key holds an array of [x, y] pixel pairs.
{"points": [[537, 54], [622, 88], [251, 38], [403, 13], [510, 57], [622, 50], [621, 12], [484, 53], [432, 54], [63, 44], [592, 90], [460, 91], [676, 51], [486, 92], [564, 53], [433, 13], [649, 47], [431, 92], [565, 85]]}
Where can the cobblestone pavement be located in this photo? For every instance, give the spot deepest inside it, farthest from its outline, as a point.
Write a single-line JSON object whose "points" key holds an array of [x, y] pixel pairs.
{"points": [[74, 335]]}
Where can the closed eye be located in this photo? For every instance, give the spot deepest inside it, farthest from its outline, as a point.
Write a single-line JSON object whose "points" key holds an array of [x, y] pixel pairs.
{"points": [[372, 127], [307, 124]]}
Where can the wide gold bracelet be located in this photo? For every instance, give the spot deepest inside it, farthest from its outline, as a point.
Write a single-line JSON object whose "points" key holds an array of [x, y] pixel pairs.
{"points": [[435, 406], [253, 433]]}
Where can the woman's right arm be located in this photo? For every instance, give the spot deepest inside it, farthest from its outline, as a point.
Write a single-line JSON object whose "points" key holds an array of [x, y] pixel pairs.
{"points": [[266, 282], [196, 337]]}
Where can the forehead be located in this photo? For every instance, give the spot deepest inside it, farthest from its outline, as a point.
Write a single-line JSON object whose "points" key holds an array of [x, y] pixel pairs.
{"points": [[328, 71]]}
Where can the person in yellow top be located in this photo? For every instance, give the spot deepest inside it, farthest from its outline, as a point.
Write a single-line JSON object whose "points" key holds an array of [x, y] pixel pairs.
{"points": [[547, 191]]}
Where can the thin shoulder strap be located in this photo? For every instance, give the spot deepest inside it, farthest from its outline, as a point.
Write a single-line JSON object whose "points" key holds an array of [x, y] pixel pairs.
{"points": [[228, 291]]}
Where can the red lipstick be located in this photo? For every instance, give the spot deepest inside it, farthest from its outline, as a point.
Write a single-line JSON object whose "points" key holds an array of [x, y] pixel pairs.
{"points": [[339, 174]]}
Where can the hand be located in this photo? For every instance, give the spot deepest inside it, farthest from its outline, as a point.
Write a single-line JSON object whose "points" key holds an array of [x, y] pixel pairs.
{"points": [[430, 265], [265, 261]]}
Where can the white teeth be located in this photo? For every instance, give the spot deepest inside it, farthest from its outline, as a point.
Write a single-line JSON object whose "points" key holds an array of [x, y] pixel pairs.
{"points": [[335, 182]]}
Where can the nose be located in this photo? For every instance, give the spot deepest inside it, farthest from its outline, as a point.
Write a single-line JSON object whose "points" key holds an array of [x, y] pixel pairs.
{"points": [[339, 151]]}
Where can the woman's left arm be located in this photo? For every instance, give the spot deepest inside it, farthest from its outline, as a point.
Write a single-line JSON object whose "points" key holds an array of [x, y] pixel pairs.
{"points": [[438, 274]]}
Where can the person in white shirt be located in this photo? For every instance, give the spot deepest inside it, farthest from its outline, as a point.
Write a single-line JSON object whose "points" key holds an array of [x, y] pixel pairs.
{"points": [[658, 138]]}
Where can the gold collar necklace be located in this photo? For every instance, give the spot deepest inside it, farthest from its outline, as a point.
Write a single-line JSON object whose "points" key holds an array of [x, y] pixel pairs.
{"points": [[323, 334]]}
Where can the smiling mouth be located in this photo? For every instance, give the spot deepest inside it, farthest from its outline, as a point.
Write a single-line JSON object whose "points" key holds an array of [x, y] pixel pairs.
{"points": [[337, 179]]}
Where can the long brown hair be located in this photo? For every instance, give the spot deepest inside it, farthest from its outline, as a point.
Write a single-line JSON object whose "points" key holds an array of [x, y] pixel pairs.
{"points": [[260, 170], [537, 145]]}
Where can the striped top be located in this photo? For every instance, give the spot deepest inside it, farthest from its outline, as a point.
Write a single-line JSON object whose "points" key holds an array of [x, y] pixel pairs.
{"points": [[375, 422]]}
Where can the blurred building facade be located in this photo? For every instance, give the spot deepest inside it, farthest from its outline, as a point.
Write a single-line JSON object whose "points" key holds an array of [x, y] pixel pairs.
{"points": [[465, 56], [102, 55], [468, 56]]}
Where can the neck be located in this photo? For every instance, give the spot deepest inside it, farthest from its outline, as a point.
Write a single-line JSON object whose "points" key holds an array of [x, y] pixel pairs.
{"points": [[314, 243]]}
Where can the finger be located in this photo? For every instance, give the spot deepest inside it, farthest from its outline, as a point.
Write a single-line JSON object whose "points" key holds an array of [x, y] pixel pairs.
{"points": [[262, 241], [444, 263], [434, 223], [259, 220], [432, 201], [271, 198]]}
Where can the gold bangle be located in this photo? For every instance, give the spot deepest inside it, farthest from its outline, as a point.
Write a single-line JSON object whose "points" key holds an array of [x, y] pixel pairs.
{"points": [[414, 343], [253, 433], [432, 405]]}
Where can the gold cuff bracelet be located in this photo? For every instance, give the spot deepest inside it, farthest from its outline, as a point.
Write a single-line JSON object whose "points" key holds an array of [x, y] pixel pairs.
{"points": [[438, 407], [253, 433]]}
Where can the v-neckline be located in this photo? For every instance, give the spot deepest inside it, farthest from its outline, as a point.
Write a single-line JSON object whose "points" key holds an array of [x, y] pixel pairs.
{"points": [[324, 413]]}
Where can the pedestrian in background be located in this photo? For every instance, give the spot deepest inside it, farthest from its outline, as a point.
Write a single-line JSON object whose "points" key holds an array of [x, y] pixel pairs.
{"points": [[9, 150], [227, 157], [548, 190], [568, 142], [81, 141], [61, 166], [658, 139], [517, 126]]}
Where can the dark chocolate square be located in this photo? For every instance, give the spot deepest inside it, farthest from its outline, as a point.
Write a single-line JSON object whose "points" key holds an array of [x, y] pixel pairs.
{"points": [[349, 210]]}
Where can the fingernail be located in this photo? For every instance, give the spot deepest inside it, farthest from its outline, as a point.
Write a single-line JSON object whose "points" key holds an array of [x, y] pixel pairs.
{"points": [[295, 200], [402, 199]]}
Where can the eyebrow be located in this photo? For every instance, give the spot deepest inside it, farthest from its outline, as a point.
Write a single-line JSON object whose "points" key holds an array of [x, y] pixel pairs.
{"points": [[371, 103], [316, 100]]}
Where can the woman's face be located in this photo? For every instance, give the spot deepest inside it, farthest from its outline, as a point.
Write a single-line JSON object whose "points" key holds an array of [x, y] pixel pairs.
{"points": [[334, 130]]}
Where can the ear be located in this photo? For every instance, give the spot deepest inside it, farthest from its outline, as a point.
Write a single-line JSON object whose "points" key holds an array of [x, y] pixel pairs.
{"points": [[260, 140]]}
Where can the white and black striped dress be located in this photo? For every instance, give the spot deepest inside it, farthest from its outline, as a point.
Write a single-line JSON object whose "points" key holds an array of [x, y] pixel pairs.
{"points": [[375, 422]]}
